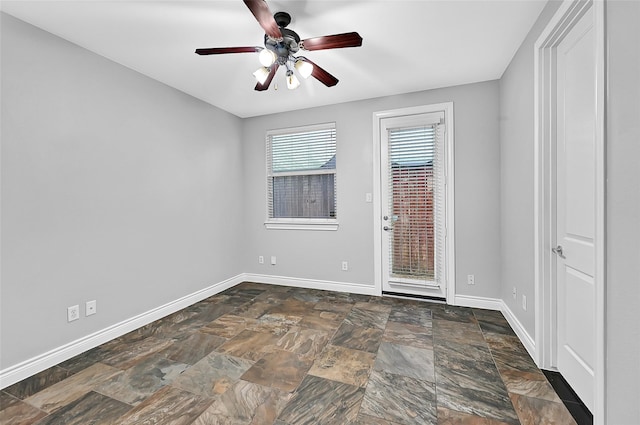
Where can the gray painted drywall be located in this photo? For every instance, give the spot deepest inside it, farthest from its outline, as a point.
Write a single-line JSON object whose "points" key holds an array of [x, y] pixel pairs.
{"points": [[622, 193], [516, 180], [318, 254], [111, 191], [623, 212], [115, 188]]}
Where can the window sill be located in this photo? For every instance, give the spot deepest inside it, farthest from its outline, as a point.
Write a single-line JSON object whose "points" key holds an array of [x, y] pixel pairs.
{"points": [[303, 224]]}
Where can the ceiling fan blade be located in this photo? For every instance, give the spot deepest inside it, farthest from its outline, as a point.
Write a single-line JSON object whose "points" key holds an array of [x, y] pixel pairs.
{"points": [[265, 86], [321, 75], [263, 15], [223, 50], [336, 41]]}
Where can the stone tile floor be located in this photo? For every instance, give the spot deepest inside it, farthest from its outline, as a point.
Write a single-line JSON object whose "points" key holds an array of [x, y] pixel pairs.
{"points": [[261, 354]]}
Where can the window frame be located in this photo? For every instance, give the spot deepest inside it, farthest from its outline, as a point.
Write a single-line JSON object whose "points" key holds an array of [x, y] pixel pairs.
{"points": [[298, 223]]}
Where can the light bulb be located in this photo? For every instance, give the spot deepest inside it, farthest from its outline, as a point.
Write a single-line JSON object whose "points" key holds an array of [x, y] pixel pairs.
{"points": [[267, 57], [262, 74], [292, 81], [304, 68]]}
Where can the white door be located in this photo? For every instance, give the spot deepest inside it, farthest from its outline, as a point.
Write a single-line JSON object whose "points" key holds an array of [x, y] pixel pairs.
{"points": [[575, 207], [412, 204]]}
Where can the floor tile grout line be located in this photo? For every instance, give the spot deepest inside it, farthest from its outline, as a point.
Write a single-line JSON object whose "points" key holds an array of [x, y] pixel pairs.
{"points": [[493, 359], [19, 400], [435, 340]]}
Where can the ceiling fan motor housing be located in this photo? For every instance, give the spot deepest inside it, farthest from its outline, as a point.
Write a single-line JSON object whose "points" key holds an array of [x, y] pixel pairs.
{"points": [[290, 42]]}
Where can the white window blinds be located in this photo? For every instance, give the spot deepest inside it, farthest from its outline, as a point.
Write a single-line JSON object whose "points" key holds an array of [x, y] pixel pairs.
{"points": [[301, 173], [415, 202]]}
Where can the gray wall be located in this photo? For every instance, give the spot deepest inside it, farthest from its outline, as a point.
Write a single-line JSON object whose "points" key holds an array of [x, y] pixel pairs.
{"points": [[318, 254], [114, 187], [111, 190], [516, 180], [623, 212], [622, 192]]}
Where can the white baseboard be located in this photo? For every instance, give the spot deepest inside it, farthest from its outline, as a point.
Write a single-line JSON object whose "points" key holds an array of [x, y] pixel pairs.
{"points": [[500, 305], [526, 339], [477, 302], [325, 285], [30, 367], [27, 368]]}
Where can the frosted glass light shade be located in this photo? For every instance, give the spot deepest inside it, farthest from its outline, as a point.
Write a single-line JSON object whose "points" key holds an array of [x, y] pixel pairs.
{"points": [[267, 57], [304, 68], [292, 81], [261, 74]]}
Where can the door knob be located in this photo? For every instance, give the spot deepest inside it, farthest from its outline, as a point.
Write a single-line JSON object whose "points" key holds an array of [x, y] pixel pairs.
{"points": [[558, 250]]}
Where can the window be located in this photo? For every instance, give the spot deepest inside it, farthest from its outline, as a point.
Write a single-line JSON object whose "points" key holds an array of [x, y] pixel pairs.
{"points": [[301, 178]]}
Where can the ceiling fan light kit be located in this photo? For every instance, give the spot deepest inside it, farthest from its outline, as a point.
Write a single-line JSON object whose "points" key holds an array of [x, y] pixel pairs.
{"points": [[292, 81], [280, 45], [267, 57], [304, 68], [262, 74]]}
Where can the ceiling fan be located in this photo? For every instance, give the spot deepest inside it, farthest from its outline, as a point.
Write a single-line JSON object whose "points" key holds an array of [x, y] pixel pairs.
{"points": [[280, 45]]}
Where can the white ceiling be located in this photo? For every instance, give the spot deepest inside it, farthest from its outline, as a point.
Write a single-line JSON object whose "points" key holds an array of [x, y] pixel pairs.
{"points": [[407, 45]]}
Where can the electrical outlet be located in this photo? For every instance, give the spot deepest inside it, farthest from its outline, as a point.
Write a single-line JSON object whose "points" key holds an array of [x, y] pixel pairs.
{"points": [[73, 313], [90, 308], [514, 293], [471, 279], [368, 197], [273, 260], [261, 259], [345, 266], [524, 302]]}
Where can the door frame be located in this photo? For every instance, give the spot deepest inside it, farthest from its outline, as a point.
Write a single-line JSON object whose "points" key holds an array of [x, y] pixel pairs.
{"points": [[449, 254], [545, 106]]}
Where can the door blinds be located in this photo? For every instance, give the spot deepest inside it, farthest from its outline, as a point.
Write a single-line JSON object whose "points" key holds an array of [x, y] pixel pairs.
{"points": [[416, 202]]}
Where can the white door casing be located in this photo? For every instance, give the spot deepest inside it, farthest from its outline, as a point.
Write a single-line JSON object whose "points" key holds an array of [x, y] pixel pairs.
{"points": [[384, 278], [569, 199]]}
